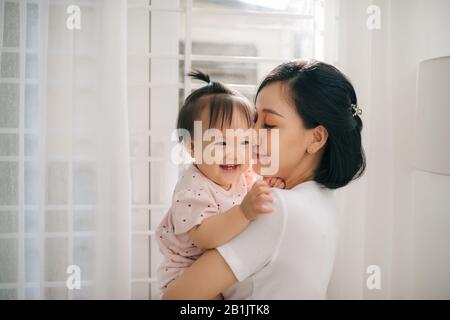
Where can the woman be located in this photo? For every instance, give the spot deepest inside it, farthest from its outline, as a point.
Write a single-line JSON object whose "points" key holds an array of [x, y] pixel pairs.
{"points": [[289, 253]]}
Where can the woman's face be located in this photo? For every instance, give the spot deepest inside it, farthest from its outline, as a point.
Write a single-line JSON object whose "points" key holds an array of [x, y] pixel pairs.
{"points": [[297, 154]]}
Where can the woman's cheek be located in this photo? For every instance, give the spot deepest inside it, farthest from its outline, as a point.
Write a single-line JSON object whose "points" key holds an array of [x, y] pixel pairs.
{"points": [[289, 148], [276, 143], [269, 144]]}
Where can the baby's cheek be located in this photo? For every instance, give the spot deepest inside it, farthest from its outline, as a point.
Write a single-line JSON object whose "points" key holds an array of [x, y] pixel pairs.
{"points": [[245, 168], [244, 154]]}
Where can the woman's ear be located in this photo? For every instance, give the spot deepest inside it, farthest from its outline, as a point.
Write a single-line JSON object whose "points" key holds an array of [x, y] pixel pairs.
{"points": [[319, 139]]}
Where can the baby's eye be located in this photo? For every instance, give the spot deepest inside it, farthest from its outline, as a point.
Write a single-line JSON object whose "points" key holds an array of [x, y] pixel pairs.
{"points": [[245, 143]]}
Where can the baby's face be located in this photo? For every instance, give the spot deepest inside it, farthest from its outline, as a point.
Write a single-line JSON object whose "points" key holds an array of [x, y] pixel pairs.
{"points": [[226, 156]]}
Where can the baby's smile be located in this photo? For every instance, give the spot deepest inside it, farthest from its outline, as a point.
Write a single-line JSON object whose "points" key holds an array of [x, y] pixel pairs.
{"points": [[229, 168]]}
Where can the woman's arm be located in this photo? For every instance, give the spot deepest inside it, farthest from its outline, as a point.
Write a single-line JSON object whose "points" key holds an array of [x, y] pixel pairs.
{"points": [[218, 269], [205, 279]]}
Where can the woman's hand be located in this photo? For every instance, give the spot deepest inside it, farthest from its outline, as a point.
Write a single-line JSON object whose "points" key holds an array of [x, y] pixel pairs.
{"points": [[253, 203], [275, 182]]}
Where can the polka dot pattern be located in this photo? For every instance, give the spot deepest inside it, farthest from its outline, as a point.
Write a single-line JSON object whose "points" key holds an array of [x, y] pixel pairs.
{"points": [[195, 198]]}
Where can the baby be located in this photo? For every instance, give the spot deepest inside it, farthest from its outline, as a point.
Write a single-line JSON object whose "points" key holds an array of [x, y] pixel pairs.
{"points": [[211, 203]]}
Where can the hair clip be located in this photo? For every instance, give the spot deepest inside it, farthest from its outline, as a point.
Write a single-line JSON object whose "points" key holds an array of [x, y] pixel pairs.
{"points": [[357, 111]]}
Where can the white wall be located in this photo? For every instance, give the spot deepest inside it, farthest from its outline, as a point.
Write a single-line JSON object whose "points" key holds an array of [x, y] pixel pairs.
{"points": [[420, 31], [380, 222]]}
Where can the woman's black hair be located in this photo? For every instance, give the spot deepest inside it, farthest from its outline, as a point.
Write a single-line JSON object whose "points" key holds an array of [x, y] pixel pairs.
{"points": [[323, 95], [220, 100]]}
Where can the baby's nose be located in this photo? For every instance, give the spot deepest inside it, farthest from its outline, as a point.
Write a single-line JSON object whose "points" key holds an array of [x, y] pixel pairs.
{"points": [[230, 155]]}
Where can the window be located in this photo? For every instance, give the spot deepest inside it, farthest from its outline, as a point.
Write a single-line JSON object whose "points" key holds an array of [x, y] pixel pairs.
{"points": [[236, 42], [43, 229], [49, 174]]}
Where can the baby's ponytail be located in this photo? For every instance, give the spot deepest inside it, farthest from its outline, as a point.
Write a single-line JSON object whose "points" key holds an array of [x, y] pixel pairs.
{"points": [[220, 100], [199, 75]]}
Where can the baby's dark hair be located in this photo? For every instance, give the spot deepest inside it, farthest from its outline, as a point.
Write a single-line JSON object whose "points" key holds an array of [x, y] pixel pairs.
{"points": [[221, 101]]}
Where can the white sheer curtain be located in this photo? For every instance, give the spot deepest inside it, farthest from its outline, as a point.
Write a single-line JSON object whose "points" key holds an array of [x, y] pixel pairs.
{"points": [[396, 216], [65, 190], [65, 195]]}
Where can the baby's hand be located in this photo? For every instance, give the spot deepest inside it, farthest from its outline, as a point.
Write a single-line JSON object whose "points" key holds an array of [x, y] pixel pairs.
{"points": [[274, 182], [249, 177], [252, 204]]}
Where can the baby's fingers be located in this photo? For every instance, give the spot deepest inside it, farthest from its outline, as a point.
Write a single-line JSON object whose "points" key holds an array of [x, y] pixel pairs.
{"points": [[264, 197], [260, 187], [279, 183], [260, 183], [275, 182], [269, 180]]}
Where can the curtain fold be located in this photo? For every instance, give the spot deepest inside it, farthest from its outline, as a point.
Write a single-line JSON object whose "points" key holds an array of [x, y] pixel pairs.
{"points": [[114, 250], [366, 205]]}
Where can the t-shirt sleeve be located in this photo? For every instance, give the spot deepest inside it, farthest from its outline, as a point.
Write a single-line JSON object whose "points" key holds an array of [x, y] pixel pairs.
{"points": [[252, 249], [190, 207]]}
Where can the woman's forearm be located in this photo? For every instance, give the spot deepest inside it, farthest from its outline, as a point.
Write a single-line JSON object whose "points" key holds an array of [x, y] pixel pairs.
{"points": [[205, 279]]}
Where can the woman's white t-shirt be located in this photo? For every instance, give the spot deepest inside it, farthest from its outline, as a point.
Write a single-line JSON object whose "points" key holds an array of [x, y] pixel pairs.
{"points": [[289, 253]]}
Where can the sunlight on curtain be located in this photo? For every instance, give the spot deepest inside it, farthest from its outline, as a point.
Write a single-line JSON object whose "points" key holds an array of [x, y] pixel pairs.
{"points": [[64, 154]]}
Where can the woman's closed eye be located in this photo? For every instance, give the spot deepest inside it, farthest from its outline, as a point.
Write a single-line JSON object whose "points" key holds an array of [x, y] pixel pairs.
{"points": [[220, 143], [268, 126], [265, 124]]}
